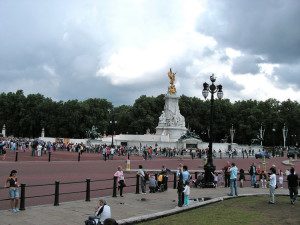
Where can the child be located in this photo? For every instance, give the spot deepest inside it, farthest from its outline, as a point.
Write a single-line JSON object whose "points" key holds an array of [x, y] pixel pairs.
{"points": [[263, 179], [221, 178], [242, 178], [215, 178], [186, 193]]}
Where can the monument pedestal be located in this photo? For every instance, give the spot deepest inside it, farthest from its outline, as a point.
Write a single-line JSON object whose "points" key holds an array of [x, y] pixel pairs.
{"points": [[171, 122]]}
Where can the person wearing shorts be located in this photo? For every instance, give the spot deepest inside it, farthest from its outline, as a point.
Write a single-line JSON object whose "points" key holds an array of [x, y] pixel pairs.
{"points": [[14, 195]]}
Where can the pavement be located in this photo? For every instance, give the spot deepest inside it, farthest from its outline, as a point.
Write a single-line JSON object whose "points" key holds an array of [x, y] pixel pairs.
{"points": [[127, 210]]}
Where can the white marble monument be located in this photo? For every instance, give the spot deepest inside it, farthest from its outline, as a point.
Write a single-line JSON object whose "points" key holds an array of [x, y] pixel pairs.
{"points": [[171, 122]]}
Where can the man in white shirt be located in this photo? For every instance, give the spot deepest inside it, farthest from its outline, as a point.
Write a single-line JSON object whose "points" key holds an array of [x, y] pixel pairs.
{"points": [[272, 185]]}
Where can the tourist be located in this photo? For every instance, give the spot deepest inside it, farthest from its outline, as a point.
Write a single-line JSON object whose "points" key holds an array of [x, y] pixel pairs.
{"points": [[199, 181], [186, 192], [274, 167], [14, 195], [180, 169], [143, 181], [293, 185], [185, 174], [242, 178], [233, 177], [280, 179], [227, 174], [272, 185], [3, 152], [120, 179], [103, 150], [2, 149], [102, 213], [112, 152], [263, 179], [252, 172], [39, 150], [215, 175], [152, 184]]}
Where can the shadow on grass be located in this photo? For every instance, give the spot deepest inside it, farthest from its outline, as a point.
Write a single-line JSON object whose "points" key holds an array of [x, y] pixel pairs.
{"points": [[253, 210]]}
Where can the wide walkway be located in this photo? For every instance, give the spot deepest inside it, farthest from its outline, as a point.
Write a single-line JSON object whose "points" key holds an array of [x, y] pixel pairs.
{"points": [[131, 205]]}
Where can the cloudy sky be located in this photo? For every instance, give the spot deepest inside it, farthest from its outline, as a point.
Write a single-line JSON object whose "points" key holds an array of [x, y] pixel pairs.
{"points": [[122, 49]]}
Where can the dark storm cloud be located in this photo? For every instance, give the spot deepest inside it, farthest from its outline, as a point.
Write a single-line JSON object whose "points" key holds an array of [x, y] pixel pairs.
{"points": [[288, 74], [269, 28], [262, 27], [246, 64]]}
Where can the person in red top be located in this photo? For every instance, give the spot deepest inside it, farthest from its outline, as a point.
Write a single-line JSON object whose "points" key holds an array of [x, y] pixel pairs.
{"points": [[12, 184], [121, 180]]}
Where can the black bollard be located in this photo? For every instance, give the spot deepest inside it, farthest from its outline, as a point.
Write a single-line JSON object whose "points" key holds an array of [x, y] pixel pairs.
{"points": [[49, 156], [105, 156], [88, 190], [166, 182], [16, 156], [180, 191], [196, 175], [175, 180], [22, 200], [56, 194], [137, 185], [78, 156], [115, 187]]}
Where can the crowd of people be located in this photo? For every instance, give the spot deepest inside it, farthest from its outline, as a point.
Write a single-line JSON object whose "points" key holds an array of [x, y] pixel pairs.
{"points": [[38, 147], [157, 182], [229, 177]]}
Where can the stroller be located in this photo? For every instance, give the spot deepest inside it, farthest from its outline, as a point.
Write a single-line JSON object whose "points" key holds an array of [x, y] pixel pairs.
{"points": [[199, 182]]}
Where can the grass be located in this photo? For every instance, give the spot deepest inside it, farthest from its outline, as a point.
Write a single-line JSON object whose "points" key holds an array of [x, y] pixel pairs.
{"points": [[253, 210]]}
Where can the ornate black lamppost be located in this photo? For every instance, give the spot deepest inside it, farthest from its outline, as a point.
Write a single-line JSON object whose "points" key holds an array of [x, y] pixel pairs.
{"points": [[232, 132], [112, 122], [209, 167], [284, 134], [273, 132]]}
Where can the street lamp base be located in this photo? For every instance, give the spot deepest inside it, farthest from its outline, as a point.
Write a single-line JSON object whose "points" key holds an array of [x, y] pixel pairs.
{"points": [[209, 169]]}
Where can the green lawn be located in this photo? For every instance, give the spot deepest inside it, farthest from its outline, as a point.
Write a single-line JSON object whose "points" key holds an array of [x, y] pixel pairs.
{"points": [[253, 210]]}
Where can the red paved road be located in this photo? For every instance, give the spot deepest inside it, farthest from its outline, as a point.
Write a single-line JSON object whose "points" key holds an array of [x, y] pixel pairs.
{"points": [[66, 168]]}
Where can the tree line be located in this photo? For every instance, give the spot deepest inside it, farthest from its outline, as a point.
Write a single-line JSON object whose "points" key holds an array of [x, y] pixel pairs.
{"points": [[25, 116]]}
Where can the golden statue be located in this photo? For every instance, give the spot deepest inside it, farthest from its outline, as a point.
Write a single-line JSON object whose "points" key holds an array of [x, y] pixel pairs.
{"points": [[172, 88]]}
